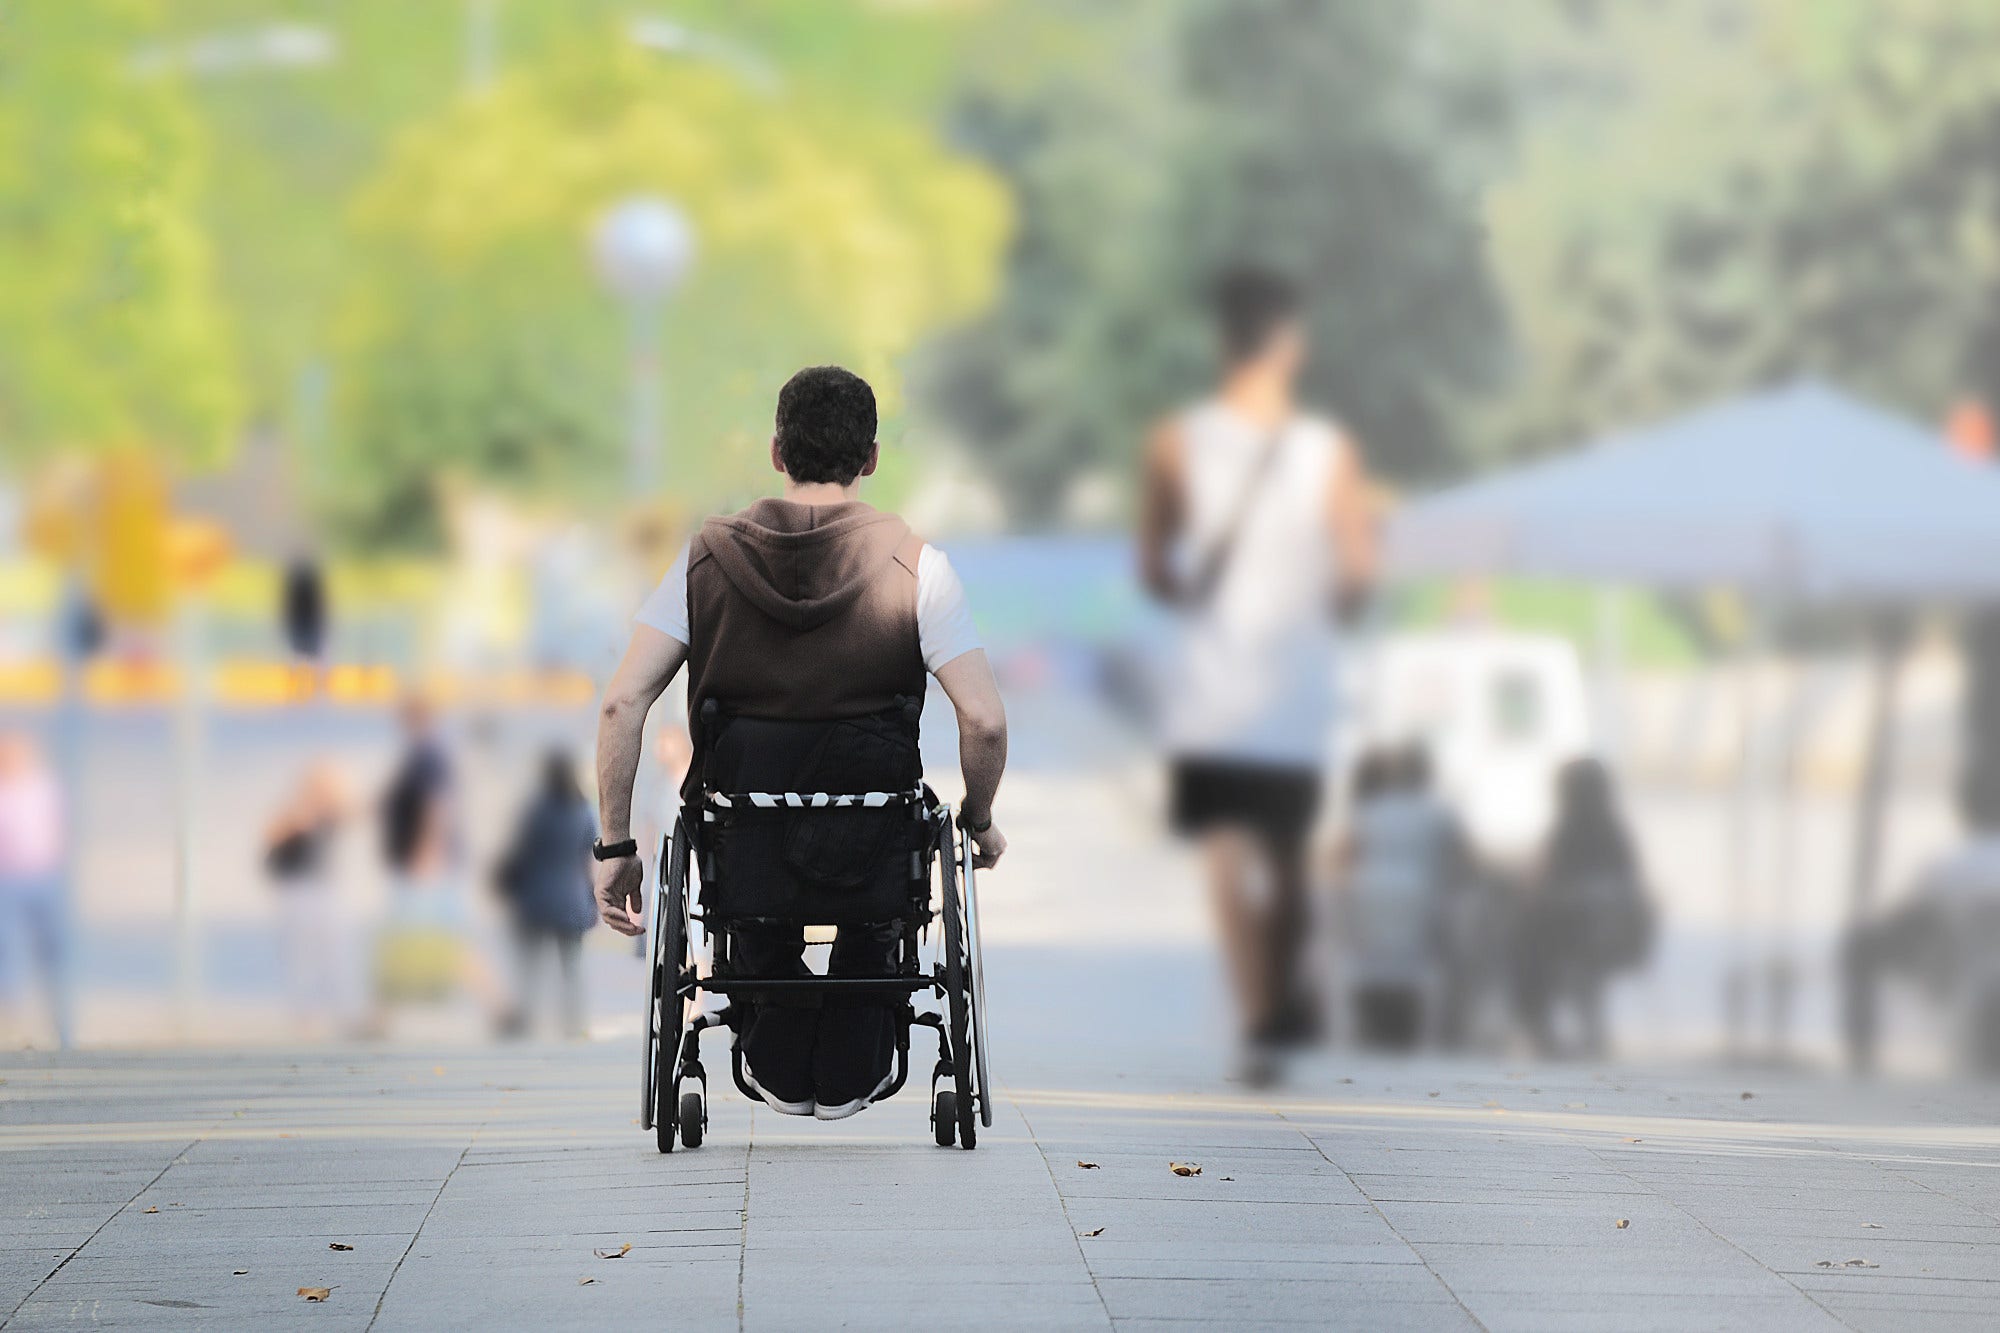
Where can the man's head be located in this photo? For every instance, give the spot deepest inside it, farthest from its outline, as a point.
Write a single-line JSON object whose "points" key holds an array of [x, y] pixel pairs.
{"points": [[1260, 321], [826, 427]]}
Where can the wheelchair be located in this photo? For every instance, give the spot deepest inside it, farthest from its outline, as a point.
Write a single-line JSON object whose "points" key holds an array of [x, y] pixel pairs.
{"points": [[793, 825]]}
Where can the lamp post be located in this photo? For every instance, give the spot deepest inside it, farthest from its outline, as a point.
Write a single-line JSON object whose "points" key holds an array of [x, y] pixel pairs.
{"points": [[643, 247]]}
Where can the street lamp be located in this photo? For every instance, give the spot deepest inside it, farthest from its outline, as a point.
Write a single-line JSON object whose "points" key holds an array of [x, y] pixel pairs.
{"points": [[643, 247]]}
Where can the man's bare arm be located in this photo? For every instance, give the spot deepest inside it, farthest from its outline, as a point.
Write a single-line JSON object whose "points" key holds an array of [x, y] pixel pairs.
{"points": [[1353, 524], [982, 743], [1161, 511], [649, 664]]}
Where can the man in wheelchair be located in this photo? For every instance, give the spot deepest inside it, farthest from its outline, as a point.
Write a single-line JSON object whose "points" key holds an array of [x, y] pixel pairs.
{"points": [[807, 625]]}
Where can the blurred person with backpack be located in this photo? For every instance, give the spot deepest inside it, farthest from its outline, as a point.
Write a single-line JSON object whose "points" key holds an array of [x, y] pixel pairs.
{"points": [[545, 880]]}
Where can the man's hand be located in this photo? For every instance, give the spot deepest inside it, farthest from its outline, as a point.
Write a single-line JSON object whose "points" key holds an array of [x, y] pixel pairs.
{"points": [[621, 893], [987, 847]]}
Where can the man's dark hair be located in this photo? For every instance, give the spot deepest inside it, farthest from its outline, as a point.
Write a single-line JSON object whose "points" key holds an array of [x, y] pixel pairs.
{"points": [[826, 425], [1252, 304]]}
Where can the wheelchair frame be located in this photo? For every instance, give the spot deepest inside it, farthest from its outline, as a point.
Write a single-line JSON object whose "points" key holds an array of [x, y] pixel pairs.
{"points": [[957, 977]]}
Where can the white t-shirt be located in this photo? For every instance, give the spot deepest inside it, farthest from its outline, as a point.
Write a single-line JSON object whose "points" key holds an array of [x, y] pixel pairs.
{"points": [[944, 621]]}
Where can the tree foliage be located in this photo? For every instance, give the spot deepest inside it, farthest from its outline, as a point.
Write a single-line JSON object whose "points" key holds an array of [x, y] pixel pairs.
{"points": [[477, 338], [1339, 142], [1714, 196], [111, 333]]}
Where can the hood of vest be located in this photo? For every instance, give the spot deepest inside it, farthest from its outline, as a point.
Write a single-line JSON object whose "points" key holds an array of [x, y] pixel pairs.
{"points": [[802, 564]]}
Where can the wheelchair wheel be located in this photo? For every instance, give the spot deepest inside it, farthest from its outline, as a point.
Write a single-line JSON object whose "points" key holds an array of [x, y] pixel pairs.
{"points": [[944, 1118], [666, 1006], [694, 1119], [958, 994]]}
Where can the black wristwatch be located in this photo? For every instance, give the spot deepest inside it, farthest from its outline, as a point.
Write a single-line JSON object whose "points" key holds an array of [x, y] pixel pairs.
{"points": [[600, 851], [975, 829]]}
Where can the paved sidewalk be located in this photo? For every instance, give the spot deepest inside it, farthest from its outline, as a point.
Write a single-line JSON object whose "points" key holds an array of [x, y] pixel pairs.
{"points": [[192, 1190]]}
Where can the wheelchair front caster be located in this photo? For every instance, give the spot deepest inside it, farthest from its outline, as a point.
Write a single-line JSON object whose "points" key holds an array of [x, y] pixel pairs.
{"points": [[694, 1119], [944, 1118]]}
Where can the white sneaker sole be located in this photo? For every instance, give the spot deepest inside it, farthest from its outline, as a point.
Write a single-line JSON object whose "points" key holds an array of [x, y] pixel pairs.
{"points": [[847, 1109], [807, 1107]]}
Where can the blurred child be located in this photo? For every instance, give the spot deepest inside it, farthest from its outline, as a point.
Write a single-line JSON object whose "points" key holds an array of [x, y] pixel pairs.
{"points": [[1405, 862], [33, 915], [1587, 915], [545, 879], [298, 856]]}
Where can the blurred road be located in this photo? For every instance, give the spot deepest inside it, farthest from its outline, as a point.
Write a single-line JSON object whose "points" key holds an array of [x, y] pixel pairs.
{"points": [[480, 1188]]}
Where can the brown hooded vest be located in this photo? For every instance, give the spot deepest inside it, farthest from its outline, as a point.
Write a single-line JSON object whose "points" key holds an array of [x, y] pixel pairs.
{"points": [[803, 612]]}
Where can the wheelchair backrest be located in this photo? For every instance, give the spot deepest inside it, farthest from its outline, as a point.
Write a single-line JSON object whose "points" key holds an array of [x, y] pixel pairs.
{"points": [[817, 822]]}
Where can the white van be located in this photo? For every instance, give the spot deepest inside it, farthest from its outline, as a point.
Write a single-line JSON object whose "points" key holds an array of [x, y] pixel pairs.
{"points": [[1499, 712]]}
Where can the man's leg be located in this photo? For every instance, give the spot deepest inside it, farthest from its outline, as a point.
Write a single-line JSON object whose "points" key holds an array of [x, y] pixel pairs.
{"points": [[777, 1039], [1233, 857], [856, 1052], [1289, 1001]]}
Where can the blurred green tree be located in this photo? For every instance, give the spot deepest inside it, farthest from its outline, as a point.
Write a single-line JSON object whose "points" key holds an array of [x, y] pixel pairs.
{"points": [[112, 335], [475, 338], [1714, 196], [1341, 143]]}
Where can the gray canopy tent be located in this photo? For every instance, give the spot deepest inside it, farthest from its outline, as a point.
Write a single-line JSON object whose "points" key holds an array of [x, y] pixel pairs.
{"points": [[1800, 494]]}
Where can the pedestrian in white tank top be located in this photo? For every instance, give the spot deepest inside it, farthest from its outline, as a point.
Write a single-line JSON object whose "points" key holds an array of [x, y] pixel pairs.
{"points": [[1254, 527]]}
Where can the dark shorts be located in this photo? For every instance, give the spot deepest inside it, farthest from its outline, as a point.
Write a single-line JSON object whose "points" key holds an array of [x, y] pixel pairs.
{"points": [[1277, 801]]}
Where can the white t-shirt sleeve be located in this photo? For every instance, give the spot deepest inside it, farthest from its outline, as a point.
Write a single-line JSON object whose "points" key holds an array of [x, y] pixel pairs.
{"points": [[944, 619], [666, 608]]}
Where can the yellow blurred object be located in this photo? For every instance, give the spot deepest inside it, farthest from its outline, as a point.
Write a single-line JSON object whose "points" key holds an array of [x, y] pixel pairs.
{"points": [[117, 682], [417, 963], [197, 549], [129, 549], [29, 684]]}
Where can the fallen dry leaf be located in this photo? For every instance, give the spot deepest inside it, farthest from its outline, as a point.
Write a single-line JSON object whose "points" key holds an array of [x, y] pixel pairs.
{"points": [[1225, 1177], [152, 1210], [618, 1253], [315, 1293], [1635, 1140], [1087, 1234], [242, 1272], [1859, 1263], [1185, 1168], [585, 1281], [336, 1245], [1622, 1223], [1088, 1166]]}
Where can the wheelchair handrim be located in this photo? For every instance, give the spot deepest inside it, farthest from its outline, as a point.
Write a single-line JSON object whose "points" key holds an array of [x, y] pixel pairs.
{"points": [[978, 974]]}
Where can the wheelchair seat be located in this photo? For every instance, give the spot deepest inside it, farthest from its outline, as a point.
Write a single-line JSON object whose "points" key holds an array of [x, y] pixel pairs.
{"points": [[812, 822]]}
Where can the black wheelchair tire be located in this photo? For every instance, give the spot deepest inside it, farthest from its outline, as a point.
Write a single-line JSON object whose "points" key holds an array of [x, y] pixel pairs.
{"points": [[669, 1011], [956, 983], [944, 1118], [692, 1116]]}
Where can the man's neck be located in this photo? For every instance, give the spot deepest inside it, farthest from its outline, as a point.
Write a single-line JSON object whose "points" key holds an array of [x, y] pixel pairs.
{"points": [[1258, 395], [821, 492]]}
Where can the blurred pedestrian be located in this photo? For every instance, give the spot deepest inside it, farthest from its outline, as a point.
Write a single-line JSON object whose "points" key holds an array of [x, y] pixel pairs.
{"points": [[424, 952], [1587, 916], [1254, 529], [1944, 935], [1406, 871], [298, 857], [545, 879], [34, 922]]}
